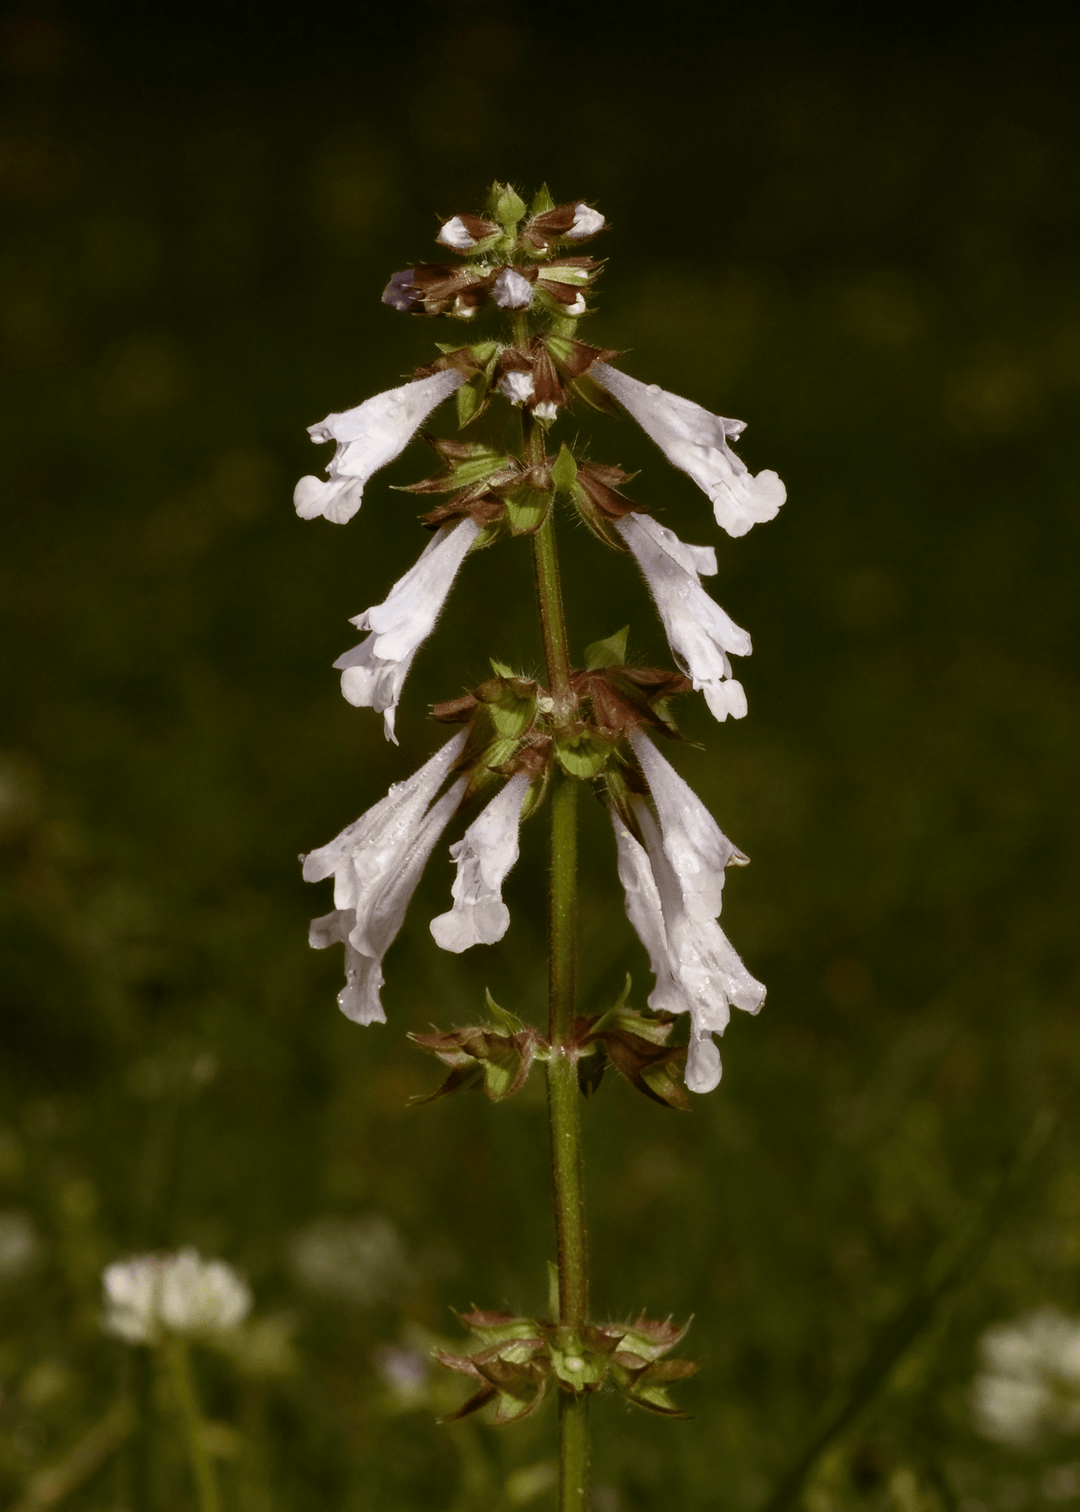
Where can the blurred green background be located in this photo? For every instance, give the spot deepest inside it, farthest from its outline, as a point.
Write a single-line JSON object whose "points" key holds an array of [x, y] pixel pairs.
{"points": [[856, 233]]}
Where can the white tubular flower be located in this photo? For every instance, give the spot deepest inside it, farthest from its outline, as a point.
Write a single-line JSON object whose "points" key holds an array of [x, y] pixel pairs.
{"points": [[587, 222], [511, 291], [484, 856], [455, 236], [644, 910], [696, 968], [696, 441], [376, 864], [696, 847], [368, 437], [152, 1295], [374, 672], [699, 633], [518, 387]]}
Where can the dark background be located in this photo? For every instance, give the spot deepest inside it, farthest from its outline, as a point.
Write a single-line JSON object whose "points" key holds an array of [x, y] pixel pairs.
{"points": [[856, 233]]}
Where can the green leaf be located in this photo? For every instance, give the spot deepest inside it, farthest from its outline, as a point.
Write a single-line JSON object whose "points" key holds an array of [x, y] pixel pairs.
{"points": [[507, 206], [564, 471], [471, 397], [526, 508], [508, 1022], [583, 757], [608, 653]]}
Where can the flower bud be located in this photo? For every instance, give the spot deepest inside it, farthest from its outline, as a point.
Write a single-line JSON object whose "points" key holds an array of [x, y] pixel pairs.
{"points": [[587, 222], [512, 291], [518, 387], [401, 292]]}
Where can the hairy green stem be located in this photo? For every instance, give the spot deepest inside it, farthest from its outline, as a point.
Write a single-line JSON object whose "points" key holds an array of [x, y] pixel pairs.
{"points": [[564, 1098], [187, 1402]]}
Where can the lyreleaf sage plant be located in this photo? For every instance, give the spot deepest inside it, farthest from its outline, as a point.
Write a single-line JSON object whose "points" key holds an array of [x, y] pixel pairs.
{"points": [[523, 745]]}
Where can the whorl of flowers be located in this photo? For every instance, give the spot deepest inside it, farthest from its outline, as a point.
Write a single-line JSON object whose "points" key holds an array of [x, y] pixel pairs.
{"points": [[523, 266]]}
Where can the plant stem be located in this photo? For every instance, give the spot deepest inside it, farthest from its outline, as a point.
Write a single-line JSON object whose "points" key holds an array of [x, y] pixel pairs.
{"points": [[564, 1098], [187, 1401]]}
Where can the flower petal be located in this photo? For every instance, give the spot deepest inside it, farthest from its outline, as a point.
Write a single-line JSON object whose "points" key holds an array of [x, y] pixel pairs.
{"points": [[699, 632], [373, 673], [696, 441], [368, 437], [695, 845], [484, 856]]}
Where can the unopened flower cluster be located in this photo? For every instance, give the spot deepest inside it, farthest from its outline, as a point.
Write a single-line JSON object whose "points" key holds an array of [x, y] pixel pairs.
{"points": [[672, 857]]}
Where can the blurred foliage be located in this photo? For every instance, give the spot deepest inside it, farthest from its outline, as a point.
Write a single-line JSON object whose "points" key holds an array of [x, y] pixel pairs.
{"points": [[860, 236]]}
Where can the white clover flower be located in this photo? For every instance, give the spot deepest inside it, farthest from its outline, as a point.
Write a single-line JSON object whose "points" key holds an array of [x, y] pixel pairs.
{"points": [[376, 863], [587, 222], [511, 291], [696, 442], [484, 856], [368, 437], [518, 387], [150, 1296], [374, 672], [673, 887], [1030, 1382], [699, 633], [454, 235]]}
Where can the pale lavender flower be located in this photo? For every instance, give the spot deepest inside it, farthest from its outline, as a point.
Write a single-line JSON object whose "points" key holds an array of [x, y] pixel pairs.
{"points": [[587, 222], [484, 856], [699, 633], [511, 291], [518, 387], [454, 235], [368, 437], [673, 886], [374, 672], [401, 292], [376, 863], [149, 1296], [696, 441]]}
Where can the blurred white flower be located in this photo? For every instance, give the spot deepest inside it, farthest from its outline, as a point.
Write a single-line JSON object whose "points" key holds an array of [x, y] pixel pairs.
{"points": [[1030, 1381], [376, 863], [358, 1260], [368, 437], [374, 672], [20, 1247], [484, 856], [406, 1375], [587, 222], [150, 1296], [511, 291], [696, 441], [673, 886], [699, 633]]}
